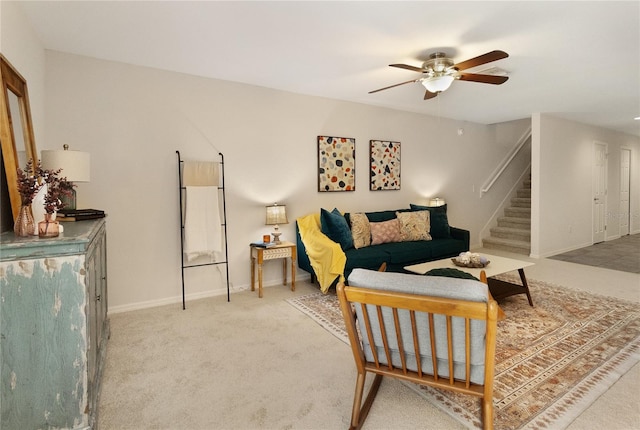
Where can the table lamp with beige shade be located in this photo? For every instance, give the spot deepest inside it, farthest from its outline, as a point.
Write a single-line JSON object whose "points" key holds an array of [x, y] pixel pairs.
{"points": [[276, 214], [75, 167]]}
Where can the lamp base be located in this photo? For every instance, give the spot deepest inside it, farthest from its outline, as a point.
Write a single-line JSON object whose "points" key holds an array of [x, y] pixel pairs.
{"points": [[276, 237], [69, 201]]}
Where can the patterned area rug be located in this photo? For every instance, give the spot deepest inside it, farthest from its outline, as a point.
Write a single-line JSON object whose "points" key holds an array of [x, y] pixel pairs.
{"points": [[552, 361]]}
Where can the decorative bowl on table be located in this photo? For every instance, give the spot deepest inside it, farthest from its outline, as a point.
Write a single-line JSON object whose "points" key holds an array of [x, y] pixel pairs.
{"points": [[470, 259]]}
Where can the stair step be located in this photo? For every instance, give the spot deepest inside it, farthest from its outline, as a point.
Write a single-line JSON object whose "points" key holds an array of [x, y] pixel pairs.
{"points": [[521, 202], [519, 234], [527, 184], [518, 212], [524, 192], [515, 246], [514, 222]]}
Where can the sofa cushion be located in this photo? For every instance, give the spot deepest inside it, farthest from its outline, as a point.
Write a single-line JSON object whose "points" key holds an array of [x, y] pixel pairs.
{"points": [[439, 222], [335, 227], [385, 231], [407, 253], [463, 289], [444, 248], [414, 225], [370, 257], [360, 230]]}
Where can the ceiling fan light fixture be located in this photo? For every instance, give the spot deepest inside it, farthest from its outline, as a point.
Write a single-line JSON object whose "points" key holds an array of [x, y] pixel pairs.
{"points": [[438, 84], [439, 71]]}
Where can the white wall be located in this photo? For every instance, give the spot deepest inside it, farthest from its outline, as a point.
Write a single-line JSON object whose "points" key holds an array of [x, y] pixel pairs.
{"points": [[20, 45], [510, 173], [132, 119], [562, 182]]}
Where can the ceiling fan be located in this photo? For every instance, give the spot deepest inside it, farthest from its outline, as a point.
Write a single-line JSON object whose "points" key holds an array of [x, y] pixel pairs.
{"points": [[439, 71]]}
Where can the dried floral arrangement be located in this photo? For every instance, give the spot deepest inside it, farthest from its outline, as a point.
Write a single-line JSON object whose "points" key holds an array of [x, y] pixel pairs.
{"points": [[28, 184], [33, 177]]}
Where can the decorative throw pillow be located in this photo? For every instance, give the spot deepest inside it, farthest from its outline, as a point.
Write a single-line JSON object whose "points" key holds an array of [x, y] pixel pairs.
{"points": [[385, 231], [451, 273], [438, 219], [336, 228], [414, 225], [360, 230]]}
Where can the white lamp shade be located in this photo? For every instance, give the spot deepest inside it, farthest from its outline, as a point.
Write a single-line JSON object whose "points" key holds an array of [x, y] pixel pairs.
{"points": [[276, 214], [438, 84], [436, 201], [75, 165]]}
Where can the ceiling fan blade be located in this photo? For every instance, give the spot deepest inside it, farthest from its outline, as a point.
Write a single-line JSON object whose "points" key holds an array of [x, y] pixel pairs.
{"points": [[485, 79], [408, 67], [429, 95], [396, 85], [482, 59]]}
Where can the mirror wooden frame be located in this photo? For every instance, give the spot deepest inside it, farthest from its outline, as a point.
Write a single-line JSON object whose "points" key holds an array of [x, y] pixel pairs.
{"points": [[13, 81]]}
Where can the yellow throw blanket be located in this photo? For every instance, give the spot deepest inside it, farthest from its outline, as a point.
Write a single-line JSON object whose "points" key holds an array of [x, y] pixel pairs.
{"points": [[326, 257]]}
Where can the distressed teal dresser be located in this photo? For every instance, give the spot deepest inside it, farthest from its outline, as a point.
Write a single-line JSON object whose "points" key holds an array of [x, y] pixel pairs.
{"points": [[53, 327]]}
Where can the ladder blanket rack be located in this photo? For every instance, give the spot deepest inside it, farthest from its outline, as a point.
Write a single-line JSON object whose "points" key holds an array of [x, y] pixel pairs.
{"points": [[203, 225]]}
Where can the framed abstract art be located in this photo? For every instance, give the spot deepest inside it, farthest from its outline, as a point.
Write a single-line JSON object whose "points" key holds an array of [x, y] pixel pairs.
{"points": [[384, 173], [336, 163]]}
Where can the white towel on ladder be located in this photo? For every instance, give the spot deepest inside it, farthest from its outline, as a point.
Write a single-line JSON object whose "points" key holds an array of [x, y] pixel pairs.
{"points": [[202, 227]]}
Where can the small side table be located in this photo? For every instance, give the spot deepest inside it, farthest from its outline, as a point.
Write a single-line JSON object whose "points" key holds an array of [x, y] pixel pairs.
{"points": [[284, 250]]}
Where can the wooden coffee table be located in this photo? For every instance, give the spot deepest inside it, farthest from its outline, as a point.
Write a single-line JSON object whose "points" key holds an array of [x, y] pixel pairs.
{"points": [[497, 266]]}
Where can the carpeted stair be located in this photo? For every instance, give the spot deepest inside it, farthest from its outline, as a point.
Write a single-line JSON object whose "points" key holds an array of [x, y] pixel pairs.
{"points": [[513, 233]]}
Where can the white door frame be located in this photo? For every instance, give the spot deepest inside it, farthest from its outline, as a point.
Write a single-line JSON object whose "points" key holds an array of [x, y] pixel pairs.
{"points": [[625, 191], [599, 191]]}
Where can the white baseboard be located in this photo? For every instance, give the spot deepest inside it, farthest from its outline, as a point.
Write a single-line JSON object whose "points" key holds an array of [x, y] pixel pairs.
{"points": [[189, 297], [169, 300], [572, 248], [562, 251]]}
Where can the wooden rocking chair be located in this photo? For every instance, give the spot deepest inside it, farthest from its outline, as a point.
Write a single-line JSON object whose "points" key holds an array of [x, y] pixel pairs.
{"points": [[405, 318]]}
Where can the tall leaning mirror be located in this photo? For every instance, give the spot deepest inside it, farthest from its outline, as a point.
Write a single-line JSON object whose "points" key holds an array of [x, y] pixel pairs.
{"points": [[16, 137]]}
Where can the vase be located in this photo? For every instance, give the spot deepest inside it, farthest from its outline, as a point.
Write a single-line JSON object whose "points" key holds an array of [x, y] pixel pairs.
{"points": [[24, 224], [37, 206], [49, 227]]}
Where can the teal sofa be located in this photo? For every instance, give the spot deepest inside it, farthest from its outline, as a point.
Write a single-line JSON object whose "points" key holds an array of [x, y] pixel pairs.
{"points": [[446, 241]]}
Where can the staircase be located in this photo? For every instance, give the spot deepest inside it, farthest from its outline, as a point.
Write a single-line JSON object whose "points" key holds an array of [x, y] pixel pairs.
{"points": [[513, 233]]}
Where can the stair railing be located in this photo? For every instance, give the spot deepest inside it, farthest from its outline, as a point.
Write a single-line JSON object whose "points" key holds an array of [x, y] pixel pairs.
{"points": [[505, 163]]}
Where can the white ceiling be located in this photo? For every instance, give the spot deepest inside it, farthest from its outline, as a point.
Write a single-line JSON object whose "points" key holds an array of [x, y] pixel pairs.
{"points": [[578, 60]]}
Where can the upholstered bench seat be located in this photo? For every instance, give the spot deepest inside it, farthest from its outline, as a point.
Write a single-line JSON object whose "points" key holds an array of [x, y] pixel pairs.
{"points": [[429, 330], [434, 286]]}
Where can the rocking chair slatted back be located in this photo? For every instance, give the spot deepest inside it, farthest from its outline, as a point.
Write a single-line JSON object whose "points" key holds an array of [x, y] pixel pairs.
{"points": [[388, 337]]}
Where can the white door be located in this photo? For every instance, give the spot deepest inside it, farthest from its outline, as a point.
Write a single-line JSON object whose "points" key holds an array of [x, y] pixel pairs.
{"points": [[599, 191], [625, 182]]}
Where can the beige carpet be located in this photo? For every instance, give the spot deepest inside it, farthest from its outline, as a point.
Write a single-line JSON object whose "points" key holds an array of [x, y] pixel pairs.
{"points": [[262, 364], [552, 361]]}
